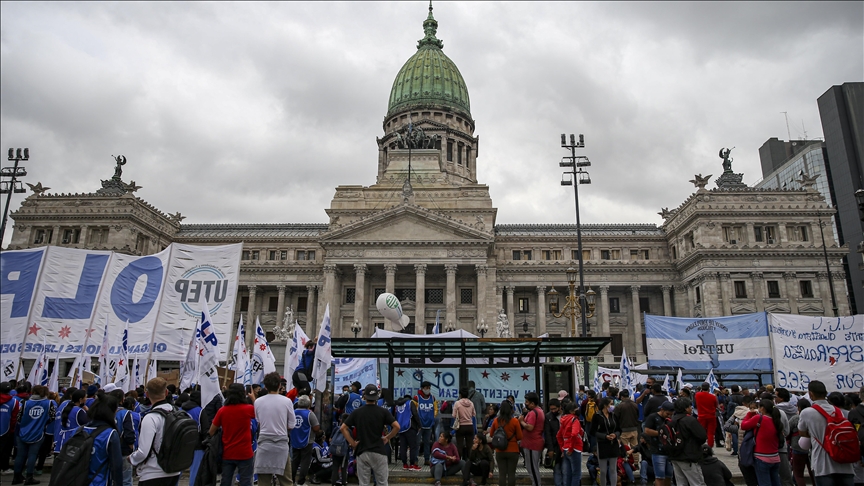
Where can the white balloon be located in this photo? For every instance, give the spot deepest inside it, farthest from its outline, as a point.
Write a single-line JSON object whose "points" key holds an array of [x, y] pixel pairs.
{"points": [[390, 307]]}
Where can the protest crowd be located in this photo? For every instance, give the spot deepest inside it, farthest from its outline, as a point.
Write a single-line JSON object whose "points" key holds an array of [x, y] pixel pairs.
{"points": [[272, 434]]}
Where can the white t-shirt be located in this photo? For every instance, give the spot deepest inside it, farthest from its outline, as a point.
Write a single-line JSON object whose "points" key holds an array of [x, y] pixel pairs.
{"points": [[275, 414], [812, 422]]}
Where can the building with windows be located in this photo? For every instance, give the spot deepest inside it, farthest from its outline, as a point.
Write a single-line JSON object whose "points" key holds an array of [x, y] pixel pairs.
{"points": [[426, 231]]}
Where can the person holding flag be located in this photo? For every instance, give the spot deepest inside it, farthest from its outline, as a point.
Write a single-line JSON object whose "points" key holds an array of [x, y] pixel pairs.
{"points": [[299, 341], [263, 361], [323, 355]]}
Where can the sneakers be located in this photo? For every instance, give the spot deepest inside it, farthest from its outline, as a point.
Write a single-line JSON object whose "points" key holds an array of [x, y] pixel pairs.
{"points": [[415, 467], [6, 472], [315, 480], [30, 480], [437, 483], [406, 467]]}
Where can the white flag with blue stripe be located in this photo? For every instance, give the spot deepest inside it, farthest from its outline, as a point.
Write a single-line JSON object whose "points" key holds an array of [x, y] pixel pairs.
{"points": [[242, 366], [666, 384], [713, 384], [437, 328], [263, 361], [208, 350], [597, 384], [121, 378], [189, 367], [295, 352], [624, 371], [323, 353]]}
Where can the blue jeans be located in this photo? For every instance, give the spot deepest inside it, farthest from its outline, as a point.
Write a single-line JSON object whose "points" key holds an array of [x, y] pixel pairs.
{"points": [[572, 468], [644, 473], [628, 470], [558, 471], [836, 480], [127, 473], [243, 468], [426, 441], [662, 466], [767, 474], [27, 453], [196, 463], [735, 443]]}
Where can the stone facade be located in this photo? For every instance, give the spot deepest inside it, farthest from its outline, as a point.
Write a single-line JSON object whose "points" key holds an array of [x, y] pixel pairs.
{"points": [[432, 240]]}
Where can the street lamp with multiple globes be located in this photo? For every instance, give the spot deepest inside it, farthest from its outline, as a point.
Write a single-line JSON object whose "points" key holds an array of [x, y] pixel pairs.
{"points": [[13, 185], [450, 327], [483, 328], [356, 327]]}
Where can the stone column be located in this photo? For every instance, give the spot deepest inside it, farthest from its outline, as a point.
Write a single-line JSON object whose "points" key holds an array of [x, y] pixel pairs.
{"points": [[450, 269], [637, 322], [541, 310], [511, 311], [250, 316], [481, 270], [57, 237], [390, 277], [840, 291], [280, 305], [724, 294], [420, 305], [83, 239], [691, 299], [791, 291], [604, 322], [825, 293], [759, 290], [360, 306], [311, 305], [667, 303], [682, 300]]}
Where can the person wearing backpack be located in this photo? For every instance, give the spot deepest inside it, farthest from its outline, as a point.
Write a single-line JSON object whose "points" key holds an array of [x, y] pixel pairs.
{"points": [[813, 426], [663, 470], [235, 420], [106, 459], [856, 417], [507, 457], [150, 436], [589, 409], [768, 437], [799, 458], [128, 435], [276, 419], [340, 451], [35, 415], [70, 416], [606, 431], [685, 459], [192, 406]]}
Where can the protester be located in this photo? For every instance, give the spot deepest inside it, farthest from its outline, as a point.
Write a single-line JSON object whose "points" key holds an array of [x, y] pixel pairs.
{"points": [[768, 436], [340, 461], [322, 462], [408, 417], [128, 436], [658, 397], [686, 462], [302, 439], [480, 462], [550, 439], [150, 439], [627, 415], [276, 419], [532, 436], [588, 410], [489, 417], [706, 405], [476, 398], [445, 458], [799, 457], [370, 446], [856, 417], [569, 438], [713, 470], [35, 416], [465, 416], [508, 458], [235, 420], [191, 404], [741, 412], [606, 431], [427, 407], [662, 465], [811, 427], [69, 417], [8, 420], [106, 459]]}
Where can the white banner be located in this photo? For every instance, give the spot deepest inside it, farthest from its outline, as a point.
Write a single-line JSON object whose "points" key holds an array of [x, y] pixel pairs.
{"points": [[828, 349], [614, 375], [19, 274]]}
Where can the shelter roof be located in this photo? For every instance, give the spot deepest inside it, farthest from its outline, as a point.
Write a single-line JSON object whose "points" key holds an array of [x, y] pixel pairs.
{"points": [[393, 347]]}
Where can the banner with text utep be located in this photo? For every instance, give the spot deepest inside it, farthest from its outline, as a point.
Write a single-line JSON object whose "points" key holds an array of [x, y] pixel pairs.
{"points": [[723, 343], [808, 348]]}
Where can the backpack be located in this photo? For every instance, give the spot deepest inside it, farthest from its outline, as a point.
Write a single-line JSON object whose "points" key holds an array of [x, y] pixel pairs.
{"points": [[670, 439], [499, 439], [590, 409], [840, 438], [179, 440], [338, 444], [72, 465]]}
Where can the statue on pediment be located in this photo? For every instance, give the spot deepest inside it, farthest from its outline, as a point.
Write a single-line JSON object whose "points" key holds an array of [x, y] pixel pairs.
{"points": [[727, 160]]}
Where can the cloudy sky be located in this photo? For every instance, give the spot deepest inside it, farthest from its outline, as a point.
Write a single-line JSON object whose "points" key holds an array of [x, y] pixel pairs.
{"points": [[253, 112]]}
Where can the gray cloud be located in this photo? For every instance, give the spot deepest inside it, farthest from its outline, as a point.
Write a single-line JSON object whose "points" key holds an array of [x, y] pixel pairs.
{"points": [[254, 112]]}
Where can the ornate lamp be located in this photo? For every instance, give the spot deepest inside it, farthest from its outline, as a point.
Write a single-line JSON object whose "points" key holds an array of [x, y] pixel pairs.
{"points": [[483, 328], [356, 327]]}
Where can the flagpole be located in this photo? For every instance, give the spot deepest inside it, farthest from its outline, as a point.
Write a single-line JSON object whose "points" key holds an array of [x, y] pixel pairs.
{"points": [[159, 307], [30, 310]]}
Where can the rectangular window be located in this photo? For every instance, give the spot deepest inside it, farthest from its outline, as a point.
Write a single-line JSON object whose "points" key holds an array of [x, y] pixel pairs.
{"points": [[732, 234], [645, 255], [405, 294], [249, 255], [797, 233], [459, 154], [634, 254], [350, 295], [272, 254], [302, 303], [605, 255], [71, 236], [773, 289], [740, 289], [434, 296], [757, 233], [521, 254], [273, 304], [806, 289], [618, 344], [644, 304], [616, 254], [523, 305], [466, 296], [614, 305], [698, 295], [467, 157], [449, 151], [305, 255], [551, 254], [42, 236], [244, 304]]}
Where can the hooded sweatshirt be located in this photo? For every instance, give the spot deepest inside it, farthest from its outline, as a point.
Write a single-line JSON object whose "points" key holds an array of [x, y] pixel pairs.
{"points": [[464, 410], [13, 412], [741, 411]]}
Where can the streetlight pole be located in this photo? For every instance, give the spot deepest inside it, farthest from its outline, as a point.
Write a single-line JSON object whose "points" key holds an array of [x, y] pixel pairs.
{"points": [[579, 176], [12, 185], [827, 265]]}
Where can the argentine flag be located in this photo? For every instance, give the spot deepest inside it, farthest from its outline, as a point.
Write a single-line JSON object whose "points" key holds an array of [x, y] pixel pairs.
{"points": [[713, 384], [624, 371], [437, 328]]}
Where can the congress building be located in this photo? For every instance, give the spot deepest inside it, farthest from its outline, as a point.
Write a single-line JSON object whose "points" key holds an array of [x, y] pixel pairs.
{"points": [[432, 240]]}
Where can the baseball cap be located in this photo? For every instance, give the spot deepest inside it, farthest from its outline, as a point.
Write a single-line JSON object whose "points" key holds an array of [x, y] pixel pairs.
{"points": [[371, 392], [109, 388], [667, 406]]}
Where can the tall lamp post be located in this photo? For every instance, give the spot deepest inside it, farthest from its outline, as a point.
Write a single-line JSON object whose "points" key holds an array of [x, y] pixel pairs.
{"points": [[13, 184]]}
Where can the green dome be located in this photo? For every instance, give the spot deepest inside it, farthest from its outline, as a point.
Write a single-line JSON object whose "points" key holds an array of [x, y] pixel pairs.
{"points": [[429, 77]]}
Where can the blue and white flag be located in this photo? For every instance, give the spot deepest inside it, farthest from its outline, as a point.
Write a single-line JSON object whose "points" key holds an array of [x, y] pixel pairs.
{"points": [[39, 372], [597, 385], [295, 352], [624, 371], [189, 367], [121, 376], [713, 384], [263, 361], [323, 353], [679, 381], [54, 381], [697, 343], [136, 374], [667, 386], [104, 362], [151, 371], [437, 328], [241, 365], [208, 351]]}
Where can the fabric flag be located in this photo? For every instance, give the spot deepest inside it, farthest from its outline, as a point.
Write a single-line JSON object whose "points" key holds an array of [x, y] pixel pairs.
{"points": [[121, 377], [74, 368], [208, 352], [10, 369], [597, 385], [624, 371], [679, 381], [666, 385], [298, 344], [103, 356], [323, 354], [189, 368], [263, 361], [151, 371], [713, 384], [241, 364], [54, 381], [437, 328], [136, 374], [38, 373]]}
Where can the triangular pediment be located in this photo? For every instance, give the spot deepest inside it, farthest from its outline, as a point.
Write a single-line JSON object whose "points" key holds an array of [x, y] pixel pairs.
{"points": [[406, 224]]}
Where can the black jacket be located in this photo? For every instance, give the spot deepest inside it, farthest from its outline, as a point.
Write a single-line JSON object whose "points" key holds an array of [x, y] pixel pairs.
{"points": [[211, 463], [734, 400], [602, 426], [550, 433], [715, 472], [653, 404], [694, 436]]}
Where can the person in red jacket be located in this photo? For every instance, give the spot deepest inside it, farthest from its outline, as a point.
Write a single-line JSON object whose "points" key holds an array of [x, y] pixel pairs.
{"points": [[8, 419], [706, 407], [769, 434], [570, 440]]}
